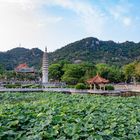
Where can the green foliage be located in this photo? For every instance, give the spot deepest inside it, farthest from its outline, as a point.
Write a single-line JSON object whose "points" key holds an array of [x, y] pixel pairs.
{"points": [[1, 69], [109, 87], [17, 85], [10, 75], [72, 73], [112, 73], [90, 70], [137, 69], [87, 50], [16, 56], [13, 86], [79, 73], [55, 72], [97, 51], [27, 86], [129, 71], [81, 86], [36, 86], [102, 69], [115, 74], [59, 116], [132, 71]]}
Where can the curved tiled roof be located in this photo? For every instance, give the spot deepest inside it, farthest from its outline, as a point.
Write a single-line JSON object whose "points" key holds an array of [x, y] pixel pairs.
{"points": [[21, 66], [97, 80], [24, 68]]}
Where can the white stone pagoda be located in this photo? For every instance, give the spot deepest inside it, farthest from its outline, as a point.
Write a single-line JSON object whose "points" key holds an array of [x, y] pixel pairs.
{"points": [[45, 68]]}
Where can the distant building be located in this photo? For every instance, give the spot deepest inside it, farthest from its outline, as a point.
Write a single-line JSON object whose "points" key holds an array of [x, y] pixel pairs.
{"points": [[24, 68]]}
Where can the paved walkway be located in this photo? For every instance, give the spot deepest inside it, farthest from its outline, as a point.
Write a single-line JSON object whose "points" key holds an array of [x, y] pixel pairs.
{"points": [[65, 90]]}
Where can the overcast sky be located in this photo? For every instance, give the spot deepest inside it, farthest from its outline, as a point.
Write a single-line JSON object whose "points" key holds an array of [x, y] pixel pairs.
{"points": [[55, 23]]}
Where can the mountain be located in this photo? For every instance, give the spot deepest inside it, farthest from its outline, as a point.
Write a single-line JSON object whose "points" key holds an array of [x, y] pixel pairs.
{"points": [[97, 51], [16, 56], [88, 49]]}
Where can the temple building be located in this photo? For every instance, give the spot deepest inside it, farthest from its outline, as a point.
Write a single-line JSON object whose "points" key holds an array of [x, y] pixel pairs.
{"points": [[24, 68], [45, 67]]}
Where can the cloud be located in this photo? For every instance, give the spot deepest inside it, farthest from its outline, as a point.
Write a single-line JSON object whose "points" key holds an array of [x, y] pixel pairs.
{"points": [[121, 12], [24, 21], [127, 21], [17, 25], [21, 21], [92, 18]]}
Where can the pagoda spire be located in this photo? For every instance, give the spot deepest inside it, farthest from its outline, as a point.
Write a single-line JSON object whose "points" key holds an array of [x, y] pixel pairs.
{"points": [[46, 49], [45, 67]]}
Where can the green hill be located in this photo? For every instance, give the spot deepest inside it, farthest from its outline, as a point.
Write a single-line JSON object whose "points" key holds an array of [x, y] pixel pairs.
{"points": [[88, 49], [12, 58], [97, 51]]}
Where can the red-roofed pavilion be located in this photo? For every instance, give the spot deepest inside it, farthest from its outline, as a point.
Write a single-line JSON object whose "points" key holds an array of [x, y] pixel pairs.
{"points": [[97, 80]]}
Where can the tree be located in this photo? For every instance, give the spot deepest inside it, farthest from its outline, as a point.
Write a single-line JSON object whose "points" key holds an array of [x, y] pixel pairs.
{"points": [[90, 70], [10, 75], [1, 69], [130, 71], [55, 72], [112, 73], [137, 71], [115, 74], [103, 69], [72, 73]]}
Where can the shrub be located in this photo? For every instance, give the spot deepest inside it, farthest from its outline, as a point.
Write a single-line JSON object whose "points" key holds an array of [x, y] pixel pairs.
{"points": [[81, 86], [109, 87], [27, 86], [36, 86], [12, 86], [70, 86]]}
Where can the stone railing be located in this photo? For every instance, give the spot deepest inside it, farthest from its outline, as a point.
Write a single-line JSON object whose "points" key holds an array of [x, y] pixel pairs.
{"points": [[127, 87]]}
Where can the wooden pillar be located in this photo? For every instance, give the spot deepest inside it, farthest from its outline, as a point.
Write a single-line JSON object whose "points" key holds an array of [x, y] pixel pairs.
{"points": [[90, 86], [104, 87], [100, 86], [94, 87]]}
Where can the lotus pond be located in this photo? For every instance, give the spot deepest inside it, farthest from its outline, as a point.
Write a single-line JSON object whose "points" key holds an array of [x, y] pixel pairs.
{"points": [[44, 116]]}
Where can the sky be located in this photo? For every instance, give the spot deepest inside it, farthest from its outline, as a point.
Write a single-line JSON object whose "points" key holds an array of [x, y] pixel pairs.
{"points": [[56, 23]]}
